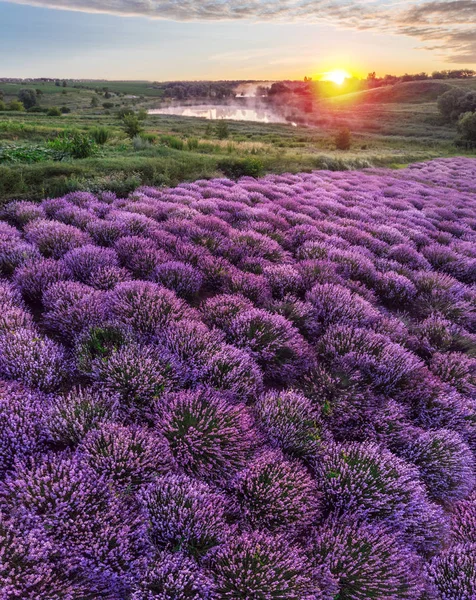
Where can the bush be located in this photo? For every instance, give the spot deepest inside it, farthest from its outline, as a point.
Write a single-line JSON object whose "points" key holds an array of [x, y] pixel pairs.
{"points": [[73, 144], [222, 130], [241, 167], [100, 135], [131, 125], [185, 514], [343, 139], [54, 111], [453, 573], [467, 127], [16, 105], [172, 142], [208, 437], [65, 110]]}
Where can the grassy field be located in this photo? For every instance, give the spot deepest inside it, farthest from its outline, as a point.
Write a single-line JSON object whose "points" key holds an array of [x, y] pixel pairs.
{"points": [[390, 127]]}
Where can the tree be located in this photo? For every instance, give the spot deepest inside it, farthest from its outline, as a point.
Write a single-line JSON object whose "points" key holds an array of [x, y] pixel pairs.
{"points": [[448, 103], [94, 102], [343, 139], [65, 84], [467, 127], [132, 125], [28, 98], [222, 130]]}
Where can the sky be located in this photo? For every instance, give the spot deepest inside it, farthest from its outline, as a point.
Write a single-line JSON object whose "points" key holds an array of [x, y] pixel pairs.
{"points": [[163, 40]]}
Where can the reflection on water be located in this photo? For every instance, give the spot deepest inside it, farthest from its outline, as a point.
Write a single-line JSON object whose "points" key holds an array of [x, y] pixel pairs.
{"points": [[232, 113]]}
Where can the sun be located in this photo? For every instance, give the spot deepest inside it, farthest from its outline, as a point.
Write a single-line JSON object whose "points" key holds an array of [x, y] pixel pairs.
{"points": [[338, 76]]}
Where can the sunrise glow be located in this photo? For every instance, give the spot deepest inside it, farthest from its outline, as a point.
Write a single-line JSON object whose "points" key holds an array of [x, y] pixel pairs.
{"points": [[337, 76]]}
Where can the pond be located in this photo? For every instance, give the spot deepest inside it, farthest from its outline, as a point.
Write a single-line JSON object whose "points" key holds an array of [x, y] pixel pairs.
{"points": [[229, 112]]}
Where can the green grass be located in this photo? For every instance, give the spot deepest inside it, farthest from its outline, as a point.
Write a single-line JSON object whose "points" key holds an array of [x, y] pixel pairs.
{"points": [[384, 133]]}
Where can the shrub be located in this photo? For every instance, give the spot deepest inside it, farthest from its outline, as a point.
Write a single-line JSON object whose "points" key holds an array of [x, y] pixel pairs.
{"points": [[290, 422], [145, 306], [71, 417], [467, 126], [175, 576], [208, 437], [241, 167], [182, 278], [277, 494], [28, 98], [367, 562], [343, 139], [96, 343], [64, 110], [73, 144], [34, 360], [453, 573], [127, 456], [136, 373], [54, 239], [21, 212], [445, 462], [222, 130], [100, 135], [131, 125], [54, 111], [272, 341], [266, 564], [84, 263], [16, 106], [184, 514], [14, 253], [463, 521], [172, 142]]}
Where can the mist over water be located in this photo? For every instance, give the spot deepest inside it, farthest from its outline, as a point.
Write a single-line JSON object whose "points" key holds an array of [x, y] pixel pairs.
{"points": [[229, 111]]}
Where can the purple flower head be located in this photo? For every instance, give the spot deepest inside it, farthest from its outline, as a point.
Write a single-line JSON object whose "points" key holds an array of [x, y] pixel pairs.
{"points": [[463, 520], [185, 514], [21, 212], [140, 256], [127, 456], [266, 566], [283, 279], [14, 253], [234, 373], [457, 369], [96, 343], [272, 341], [277, 494], [83, 263], [220, 311], [209, 438], [34, 360]]}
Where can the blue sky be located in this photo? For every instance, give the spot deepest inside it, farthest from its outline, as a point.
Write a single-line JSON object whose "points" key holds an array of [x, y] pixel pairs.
{"points": [[234, 39]]}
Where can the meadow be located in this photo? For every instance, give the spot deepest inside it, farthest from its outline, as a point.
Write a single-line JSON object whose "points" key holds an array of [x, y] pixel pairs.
{"points": [[391, 126], [256, 390]]}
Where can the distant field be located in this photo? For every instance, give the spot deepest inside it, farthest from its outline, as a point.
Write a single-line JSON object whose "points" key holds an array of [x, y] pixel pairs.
{"points": [[390, 126]]}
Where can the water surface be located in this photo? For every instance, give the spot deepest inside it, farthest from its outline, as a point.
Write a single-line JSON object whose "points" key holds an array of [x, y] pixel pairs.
{"points": [[232, 113]]}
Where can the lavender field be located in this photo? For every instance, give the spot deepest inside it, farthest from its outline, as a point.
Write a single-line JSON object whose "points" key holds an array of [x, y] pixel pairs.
{"points": [[260, 390]]}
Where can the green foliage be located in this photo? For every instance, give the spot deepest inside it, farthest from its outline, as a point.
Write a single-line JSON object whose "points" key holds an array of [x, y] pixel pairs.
{"points": [[2, 105], [28, 98], [54, 111], [125, 111], [94, 102], [37, 109], [222, 130], [192, 143], [107, 105], [100, 135], [74, 144], [65, 110], [172, 141], [26, 154], [343, 139], [467, 127], [455, 102], [142, 115], [132, 126], [236, 167], [149, 137], [16, 105]]}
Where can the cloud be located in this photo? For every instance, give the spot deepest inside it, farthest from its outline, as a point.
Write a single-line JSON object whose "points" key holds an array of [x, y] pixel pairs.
{"points": [[447, 26]]}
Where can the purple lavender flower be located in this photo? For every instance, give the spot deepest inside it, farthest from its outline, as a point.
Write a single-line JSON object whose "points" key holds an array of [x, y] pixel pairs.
{"points": [[367, 561], [262, 564], [445, 462], [36, 276], [453, 573], [175, 576], [290, 422], [83, 263], [34, 360], [277, 494], [220, 311], [182, 278], [463, 520], [208, 437], [14, 253], [69, 418], [127, 456], [185, 514], [53, 239], [21, 212]]}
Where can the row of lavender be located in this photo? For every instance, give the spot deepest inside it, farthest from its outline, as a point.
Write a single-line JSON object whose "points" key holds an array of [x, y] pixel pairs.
{"points": [[257, 390]]}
